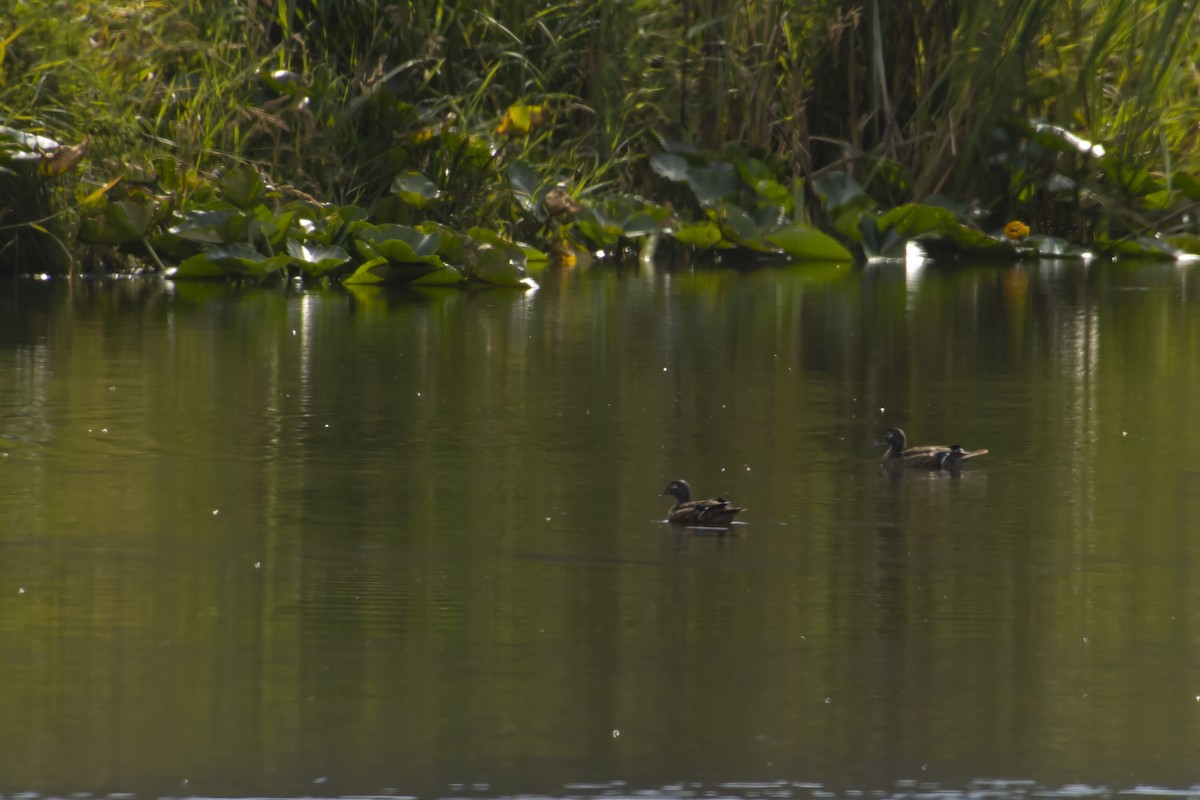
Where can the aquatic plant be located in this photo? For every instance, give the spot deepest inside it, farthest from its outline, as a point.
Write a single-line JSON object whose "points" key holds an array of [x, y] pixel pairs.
{"points": [[256, 140]]}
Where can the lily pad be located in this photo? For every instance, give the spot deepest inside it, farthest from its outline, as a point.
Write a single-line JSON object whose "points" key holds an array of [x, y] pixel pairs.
{"points": [[416, 190], [398, 243], [877, 245], [805, 243], [712, 182], [599, 228], [242, 186], [522, 250], [497, 266], [697, 234], [525, 184], [919, 221], [1145, 247], [837, 189], [708, 182], [740, 228], [239, 260], [317, 260], [845, 200], [221, 226], [758, 176], [442, 276], [450, 246], [670, 166], [642, 223], [118, 222], [382, 270]]}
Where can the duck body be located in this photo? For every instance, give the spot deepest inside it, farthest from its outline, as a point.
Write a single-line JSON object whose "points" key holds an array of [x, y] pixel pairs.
{"points": [[715, 513], [929, 457]]}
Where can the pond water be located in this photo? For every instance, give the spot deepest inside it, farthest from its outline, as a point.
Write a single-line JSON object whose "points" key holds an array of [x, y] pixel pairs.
{"points": [[322, 542]]}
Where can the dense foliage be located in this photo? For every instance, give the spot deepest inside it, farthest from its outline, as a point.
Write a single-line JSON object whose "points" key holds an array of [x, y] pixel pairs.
{"points": [[420, 140]]}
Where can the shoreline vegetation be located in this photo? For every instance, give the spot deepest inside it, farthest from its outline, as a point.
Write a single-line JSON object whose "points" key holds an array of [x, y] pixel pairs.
{"points": [[441, 143]]}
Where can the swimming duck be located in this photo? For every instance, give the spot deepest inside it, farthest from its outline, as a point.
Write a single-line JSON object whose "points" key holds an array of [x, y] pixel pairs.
{"points": [[716, 513], [935, 456]]}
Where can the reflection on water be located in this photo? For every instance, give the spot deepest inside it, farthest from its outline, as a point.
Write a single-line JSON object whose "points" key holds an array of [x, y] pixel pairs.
{"points": [[902, 790], [333, 542]]}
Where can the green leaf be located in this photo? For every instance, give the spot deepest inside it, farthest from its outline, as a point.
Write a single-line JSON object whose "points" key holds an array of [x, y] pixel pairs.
{"points": [[525, 184], [396, 250], [242, 186], [416, 190], [493, 238], [506, 269], [476, 150], [1187, 183], [398, 243], [845, 201], [709, 182], [837, 189], [670, 166], [242, 259], [599, 228], [805, 243], [443, 276], [367, 272], [534, 258], [914, 219], [118, 222], [1135, 181], [450, 247], [641, 223], [382, 270], [697, 234], [918, 221], [1145, 247], [276, 227], [758, 176], [880, 245], [198, 267], [712, 182], [317, 259], [740, 228], [223, 226], [496, 266]]}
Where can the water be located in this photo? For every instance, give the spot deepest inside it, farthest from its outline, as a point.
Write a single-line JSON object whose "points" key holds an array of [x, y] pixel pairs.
{"points": [[272, 542]]}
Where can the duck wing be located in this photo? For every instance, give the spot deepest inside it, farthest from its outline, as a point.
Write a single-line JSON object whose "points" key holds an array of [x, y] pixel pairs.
{"points": [[716, 511]]}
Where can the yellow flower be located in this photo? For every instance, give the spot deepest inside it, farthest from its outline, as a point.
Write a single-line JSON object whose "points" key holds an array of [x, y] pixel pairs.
{"points": [[1016, 230]]}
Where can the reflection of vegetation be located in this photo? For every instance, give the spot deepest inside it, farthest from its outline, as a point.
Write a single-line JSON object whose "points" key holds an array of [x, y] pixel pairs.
{"points": [[807, 130], [401, 533]]}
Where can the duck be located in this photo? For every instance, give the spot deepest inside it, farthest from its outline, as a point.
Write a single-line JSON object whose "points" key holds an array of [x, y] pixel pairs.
{"points": [[932, 457], [953, 458], [715, 513]]}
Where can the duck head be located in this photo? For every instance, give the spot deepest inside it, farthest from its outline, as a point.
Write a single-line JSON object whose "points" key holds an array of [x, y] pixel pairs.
{"points": [[680, 490], [894, 438]]}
